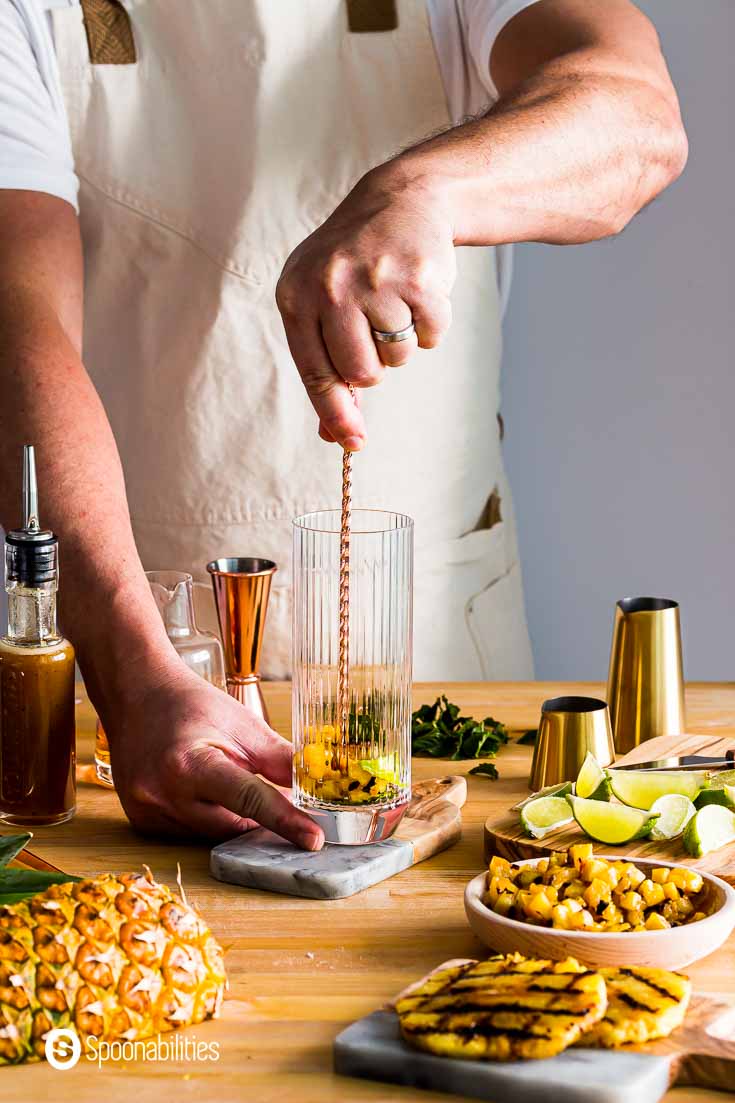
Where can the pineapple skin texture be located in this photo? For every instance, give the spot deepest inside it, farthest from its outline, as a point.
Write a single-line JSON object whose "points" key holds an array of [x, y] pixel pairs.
{"points": [[113, 957]]}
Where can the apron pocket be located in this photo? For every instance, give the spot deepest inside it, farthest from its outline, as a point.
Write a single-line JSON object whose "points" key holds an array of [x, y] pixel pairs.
{"points": [[448, 576]]}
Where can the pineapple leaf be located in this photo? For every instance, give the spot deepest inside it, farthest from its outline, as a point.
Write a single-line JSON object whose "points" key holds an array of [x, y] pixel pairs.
{"points": [[11, 846], [21, 884]]}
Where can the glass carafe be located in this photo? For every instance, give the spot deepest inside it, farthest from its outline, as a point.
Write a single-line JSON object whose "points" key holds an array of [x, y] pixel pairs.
{"points": [[200, 650]]}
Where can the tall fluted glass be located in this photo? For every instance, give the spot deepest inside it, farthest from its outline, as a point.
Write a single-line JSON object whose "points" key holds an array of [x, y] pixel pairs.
{"points": [[356, 783]]}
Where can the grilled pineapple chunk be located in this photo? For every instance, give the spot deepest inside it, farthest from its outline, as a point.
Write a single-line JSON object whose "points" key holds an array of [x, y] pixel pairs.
{"points": [[503, 1008], [642, 1004]]}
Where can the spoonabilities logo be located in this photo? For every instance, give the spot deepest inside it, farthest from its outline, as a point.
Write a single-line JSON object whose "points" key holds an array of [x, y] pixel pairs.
{"points": [[63, 1048]]}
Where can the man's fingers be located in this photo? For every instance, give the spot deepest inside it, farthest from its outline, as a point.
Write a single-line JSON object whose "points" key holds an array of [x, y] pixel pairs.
{"points": [[390, 318], [267, 753], [225, 783], [350, 345], [432, 316], [327, 391]]}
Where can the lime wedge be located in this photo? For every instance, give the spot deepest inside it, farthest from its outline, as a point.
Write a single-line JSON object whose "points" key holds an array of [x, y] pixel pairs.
{"points": [[724, 796], [640, 788], [674, 813], [542, 815], [592, 782], [383, 768], [559, 790], [717, 779], [711, 828], [611, 823]]}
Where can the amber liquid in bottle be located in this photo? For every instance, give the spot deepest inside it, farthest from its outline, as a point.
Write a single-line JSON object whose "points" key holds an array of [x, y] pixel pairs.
{"points": [[37, 726]]}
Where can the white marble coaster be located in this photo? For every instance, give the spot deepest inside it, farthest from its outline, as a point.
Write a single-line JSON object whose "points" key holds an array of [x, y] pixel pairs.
{"points": [[262, 860], [373, 1049]]}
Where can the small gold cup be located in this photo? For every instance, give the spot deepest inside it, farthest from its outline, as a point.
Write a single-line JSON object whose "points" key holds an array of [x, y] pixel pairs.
{"points": [[569, 728], [645, 685]]}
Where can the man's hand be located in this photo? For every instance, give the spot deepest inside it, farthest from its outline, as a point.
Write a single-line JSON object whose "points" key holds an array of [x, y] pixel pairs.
{"points": [[587, 131], [383, 259], [185, 758]]}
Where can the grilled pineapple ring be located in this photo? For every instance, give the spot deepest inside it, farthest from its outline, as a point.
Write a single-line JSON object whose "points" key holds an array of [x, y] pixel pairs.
{"points": [[642, 1004], [503, 1008]]}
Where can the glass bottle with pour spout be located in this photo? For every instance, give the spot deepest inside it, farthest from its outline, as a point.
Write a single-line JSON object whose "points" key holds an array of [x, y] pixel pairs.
{"points": [[200, 650], [37, 725]]}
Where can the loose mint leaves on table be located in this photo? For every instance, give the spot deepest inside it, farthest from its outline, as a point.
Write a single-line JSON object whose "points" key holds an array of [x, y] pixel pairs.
{"points": [[528, 739], [438, 731], [485, 769]]}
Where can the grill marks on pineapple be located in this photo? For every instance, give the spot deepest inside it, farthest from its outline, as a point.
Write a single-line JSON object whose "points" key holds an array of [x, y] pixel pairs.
{"points": [[646, 977], [643, 1003], [503, 1008]]}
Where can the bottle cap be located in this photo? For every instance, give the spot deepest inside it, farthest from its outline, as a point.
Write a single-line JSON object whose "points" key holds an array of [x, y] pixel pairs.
{"points": [[31, 553]]}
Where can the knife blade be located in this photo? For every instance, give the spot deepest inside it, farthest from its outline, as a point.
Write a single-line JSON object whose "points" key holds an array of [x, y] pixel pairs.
{"points": [[683, 762]]}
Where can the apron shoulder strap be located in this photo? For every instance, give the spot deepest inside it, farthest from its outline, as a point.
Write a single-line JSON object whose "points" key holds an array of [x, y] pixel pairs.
{"points": [[109, 33], [366, 16]]}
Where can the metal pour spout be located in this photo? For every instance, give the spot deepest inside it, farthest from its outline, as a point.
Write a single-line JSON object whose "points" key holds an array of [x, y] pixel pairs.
{"points": [[30, 490]]}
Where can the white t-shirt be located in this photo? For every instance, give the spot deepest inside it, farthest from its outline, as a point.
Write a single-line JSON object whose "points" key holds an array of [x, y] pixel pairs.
{"points": [[35, 147]]}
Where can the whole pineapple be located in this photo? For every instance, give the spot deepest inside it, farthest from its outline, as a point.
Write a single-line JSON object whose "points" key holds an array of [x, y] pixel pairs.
{"points": [[113, 957]]}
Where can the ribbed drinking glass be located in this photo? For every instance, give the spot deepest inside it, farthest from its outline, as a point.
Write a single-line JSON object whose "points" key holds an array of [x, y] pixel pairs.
{"points": [[356, 782]]}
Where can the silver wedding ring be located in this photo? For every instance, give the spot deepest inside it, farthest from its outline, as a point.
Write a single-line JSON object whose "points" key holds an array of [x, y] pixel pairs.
{"points": [[388, 337]]}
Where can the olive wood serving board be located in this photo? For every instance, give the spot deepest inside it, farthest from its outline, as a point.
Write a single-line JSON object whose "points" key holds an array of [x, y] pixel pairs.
{"points": [[262, 860], [701, 1052], [505, 836]]}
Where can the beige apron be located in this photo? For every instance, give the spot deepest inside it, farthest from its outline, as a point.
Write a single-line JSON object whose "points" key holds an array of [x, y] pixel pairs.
{"points": [[238, 129]]}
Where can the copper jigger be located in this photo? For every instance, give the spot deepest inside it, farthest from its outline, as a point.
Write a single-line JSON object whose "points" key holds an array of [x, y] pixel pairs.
{"points": [[570, 728], [241, 590], [646, 681]]}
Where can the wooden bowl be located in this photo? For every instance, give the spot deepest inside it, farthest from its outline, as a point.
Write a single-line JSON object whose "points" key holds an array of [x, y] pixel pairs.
{"points": [[672, 949]]}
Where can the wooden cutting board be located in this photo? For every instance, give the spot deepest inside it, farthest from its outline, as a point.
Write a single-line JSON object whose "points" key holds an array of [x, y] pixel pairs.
{"points": [[701, 1053], [262, 860], [505, 836]]}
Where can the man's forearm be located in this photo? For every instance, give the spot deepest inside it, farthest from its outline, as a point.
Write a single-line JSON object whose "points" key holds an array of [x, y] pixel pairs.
{"points": [[47, 398], [567, 155]]}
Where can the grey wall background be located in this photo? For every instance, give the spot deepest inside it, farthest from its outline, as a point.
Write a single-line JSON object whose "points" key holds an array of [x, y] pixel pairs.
{"points": [[619, 393]]}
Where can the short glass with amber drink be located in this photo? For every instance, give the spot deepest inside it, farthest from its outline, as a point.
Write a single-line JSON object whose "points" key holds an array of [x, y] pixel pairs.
{"points": [[352, 722]]}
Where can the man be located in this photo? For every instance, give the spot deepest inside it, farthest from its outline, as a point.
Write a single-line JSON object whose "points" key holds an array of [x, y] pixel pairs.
{"points": [[208, 139]]}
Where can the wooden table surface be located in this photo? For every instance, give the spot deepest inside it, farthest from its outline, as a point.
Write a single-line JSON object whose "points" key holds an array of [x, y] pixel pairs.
{"points": [[300, 970]]}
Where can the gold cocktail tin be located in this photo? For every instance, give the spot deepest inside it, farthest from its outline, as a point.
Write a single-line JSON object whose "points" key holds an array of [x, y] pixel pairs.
{"points": [[645, 687], [570, 728]]}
